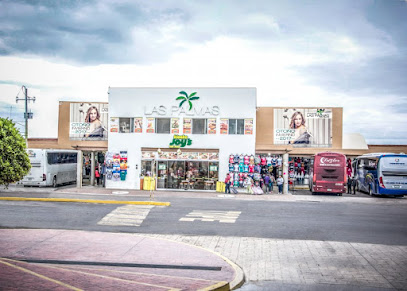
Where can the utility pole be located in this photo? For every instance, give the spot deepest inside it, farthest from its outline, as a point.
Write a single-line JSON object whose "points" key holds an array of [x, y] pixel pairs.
{"points": [[27, 115]]}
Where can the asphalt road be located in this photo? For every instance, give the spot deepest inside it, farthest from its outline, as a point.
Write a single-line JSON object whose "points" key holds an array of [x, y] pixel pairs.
{"points": [[343, 221]]}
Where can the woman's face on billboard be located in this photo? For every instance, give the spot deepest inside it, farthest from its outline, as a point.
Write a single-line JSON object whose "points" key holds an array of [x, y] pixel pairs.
{"points": [[93, 115], [298, 120]]}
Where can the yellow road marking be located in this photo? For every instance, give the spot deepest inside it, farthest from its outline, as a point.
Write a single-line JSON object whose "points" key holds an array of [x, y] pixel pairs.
{"points": [[101, 276], [38, 275], [141, 273], [86, 201]]}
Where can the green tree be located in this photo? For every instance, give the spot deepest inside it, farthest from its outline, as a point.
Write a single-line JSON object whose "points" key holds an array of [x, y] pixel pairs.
{"points": [[14, 161]]}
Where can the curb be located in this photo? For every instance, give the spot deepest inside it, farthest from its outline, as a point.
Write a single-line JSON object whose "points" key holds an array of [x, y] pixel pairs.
{"points": [[237, 281], [86, 201]]}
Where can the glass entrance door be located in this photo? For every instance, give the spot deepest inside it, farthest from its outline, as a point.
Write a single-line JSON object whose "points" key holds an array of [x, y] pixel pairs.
{"points": [[162, 174]]}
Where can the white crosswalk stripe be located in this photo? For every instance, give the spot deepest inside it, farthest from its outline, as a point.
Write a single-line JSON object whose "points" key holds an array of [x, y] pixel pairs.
{"points": [[210, 215], [128, 215]]}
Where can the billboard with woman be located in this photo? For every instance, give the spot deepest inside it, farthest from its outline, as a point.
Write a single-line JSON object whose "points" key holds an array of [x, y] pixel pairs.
{"points": [[88, 121], [303, 127]]}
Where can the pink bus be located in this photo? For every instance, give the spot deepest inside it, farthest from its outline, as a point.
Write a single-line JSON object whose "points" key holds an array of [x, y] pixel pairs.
{"points": [[328, 173]]}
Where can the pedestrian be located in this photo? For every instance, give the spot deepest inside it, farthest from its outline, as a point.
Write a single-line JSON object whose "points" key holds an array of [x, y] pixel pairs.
{"points": [[280, 182], [103, 173], [97, 176], [272, 181], [354, 181], [227, 184], [349, 185], [267, 183]]}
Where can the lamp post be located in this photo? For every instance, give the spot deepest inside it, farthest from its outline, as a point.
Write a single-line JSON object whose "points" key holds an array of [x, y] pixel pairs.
{"points": [[27, 115]]}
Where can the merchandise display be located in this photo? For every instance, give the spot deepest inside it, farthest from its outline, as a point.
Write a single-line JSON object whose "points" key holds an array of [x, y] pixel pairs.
{"points": [[247, 170], [298, 169], [116, 166]]}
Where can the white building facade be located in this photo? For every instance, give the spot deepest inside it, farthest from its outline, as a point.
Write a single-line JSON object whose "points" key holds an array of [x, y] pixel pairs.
{"points": [[182, 136]]}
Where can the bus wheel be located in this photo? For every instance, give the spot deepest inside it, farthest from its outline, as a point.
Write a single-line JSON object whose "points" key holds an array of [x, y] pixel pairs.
{"points": [[54, 182]]}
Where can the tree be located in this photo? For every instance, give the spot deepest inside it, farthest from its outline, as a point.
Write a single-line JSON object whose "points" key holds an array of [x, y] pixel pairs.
{"points": [[14, 161]]}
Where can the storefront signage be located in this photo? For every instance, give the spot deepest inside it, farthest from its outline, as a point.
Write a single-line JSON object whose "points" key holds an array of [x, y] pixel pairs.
{"points": [[180, 141], [176, 111], [185, 107]]}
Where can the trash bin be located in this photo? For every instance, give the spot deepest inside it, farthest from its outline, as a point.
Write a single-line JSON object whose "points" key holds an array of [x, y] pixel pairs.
{"points": [[141, 183]]}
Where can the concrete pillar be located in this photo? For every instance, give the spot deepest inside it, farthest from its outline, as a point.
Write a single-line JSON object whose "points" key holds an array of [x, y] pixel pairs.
{"points": [[79, 170], [285, 173], [92, 168]]}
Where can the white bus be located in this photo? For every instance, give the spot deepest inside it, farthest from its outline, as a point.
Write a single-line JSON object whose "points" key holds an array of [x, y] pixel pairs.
{"points": [[51, 167]]}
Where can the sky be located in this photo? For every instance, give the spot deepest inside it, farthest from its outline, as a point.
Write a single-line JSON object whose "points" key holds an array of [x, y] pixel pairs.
{"points": [[350, 54]]}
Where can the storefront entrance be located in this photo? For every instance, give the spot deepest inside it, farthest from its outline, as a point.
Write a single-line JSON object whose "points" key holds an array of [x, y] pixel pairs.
{"points": [[190, 170]]}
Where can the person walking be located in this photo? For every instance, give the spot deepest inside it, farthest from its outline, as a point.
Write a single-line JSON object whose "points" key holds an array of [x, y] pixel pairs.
{"points": [[227, 184], [280, 182]]}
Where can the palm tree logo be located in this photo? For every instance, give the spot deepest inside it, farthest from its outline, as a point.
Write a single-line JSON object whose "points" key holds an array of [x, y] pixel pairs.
{"points": [[187, 98]]}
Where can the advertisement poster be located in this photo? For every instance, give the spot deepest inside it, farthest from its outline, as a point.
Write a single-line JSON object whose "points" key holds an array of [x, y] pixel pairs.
{"points": [[304, 127], [248, 126], [187, 125], [88, 121], [224, 126], [211, 126], [174, 125], [150, 125], [138, 124], [114, 124]]}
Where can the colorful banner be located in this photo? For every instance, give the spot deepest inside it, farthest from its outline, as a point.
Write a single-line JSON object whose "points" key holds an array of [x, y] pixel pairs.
{"points": [[88, 121], [174, 125], [224, 126], [150, 125], [248, 126], [114, 124], [138, 124], [293, 126], [187, 125], [211, 126]]}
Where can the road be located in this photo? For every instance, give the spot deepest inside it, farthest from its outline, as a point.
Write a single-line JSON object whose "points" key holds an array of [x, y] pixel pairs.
{"points": [[377, 223]]}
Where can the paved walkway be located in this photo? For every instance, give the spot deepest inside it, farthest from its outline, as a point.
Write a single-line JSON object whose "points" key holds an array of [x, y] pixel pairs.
{"points": [[80, 260]]}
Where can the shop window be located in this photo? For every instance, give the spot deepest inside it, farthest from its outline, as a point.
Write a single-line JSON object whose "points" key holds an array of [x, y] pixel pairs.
{"points": [[199, 126], [163, 125], [236, 126], [126, 125]]}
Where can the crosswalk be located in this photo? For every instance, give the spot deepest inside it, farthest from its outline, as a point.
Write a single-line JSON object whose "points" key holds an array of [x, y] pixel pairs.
{"points": [[128, 215], [134, 215], [210, 215]]}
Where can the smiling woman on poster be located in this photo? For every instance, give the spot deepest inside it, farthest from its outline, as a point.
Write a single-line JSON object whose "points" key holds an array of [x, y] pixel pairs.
{"points": [[301, 133], [96, 128]]}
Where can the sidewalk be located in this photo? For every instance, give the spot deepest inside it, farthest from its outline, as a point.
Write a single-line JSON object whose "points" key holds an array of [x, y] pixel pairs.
{"points": [[83, 260]]}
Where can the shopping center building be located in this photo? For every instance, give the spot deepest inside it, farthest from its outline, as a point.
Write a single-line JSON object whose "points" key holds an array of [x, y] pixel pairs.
{"points": [[186, 137]]}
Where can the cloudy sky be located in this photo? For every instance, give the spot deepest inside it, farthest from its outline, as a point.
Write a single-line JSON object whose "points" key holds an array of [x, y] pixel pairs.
{"points": [[351, 54]]}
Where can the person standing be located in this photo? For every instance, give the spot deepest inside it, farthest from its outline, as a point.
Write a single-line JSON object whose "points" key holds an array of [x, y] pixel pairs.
{"points": [[227, 184], [280, 182], [272, 181], [354, 181], [97, 176], [349, 185], [267, 183]]}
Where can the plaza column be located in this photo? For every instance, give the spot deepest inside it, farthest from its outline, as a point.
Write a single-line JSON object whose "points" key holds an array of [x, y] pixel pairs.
{"points": [[79, 168], [92, 168], [285, 173]]}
